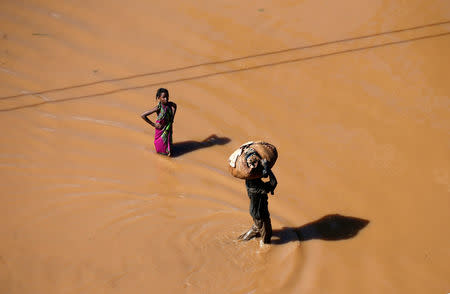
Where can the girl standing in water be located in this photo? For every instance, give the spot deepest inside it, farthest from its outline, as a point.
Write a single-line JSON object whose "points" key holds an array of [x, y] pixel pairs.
{"points": [[165, 111]]}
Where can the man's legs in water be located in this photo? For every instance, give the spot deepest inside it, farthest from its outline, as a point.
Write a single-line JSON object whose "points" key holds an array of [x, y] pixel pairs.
{"points": [[266, 230], [250, 234], [255, 229], [263, 223], [260, 228]]}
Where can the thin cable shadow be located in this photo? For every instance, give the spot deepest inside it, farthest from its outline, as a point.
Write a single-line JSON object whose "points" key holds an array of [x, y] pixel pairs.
{"points": [[332, 227], [227, 60], [229, 71], [181, 148]]}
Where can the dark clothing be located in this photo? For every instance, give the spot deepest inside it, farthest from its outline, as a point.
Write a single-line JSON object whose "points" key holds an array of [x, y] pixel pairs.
{"points": [[259, 206], [257, 192], [257, 186]]}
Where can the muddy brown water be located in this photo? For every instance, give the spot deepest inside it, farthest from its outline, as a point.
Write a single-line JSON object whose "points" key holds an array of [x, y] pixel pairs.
{"points": [[354, 94]]}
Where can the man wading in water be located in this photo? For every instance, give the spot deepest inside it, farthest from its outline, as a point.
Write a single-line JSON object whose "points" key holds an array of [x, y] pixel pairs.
{"points": [[257, 192]]}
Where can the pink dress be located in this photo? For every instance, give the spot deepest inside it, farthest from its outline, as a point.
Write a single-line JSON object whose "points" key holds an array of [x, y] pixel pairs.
{"points": [[163, 137]]}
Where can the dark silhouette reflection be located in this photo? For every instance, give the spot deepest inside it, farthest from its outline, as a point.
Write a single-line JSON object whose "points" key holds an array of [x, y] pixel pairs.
{"points": [[332, 227], [184, 147]]}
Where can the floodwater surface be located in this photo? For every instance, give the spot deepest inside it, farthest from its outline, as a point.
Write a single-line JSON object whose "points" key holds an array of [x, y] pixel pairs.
{"points": [[354, 94]]}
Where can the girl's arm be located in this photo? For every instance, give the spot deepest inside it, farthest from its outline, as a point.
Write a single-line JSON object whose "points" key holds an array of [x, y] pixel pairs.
{"points": [[147, 113], [174, 108]]}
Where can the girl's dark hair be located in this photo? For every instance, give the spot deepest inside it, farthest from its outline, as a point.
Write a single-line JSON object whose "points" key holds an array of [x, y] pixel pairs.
{"points": [[160, 91]]}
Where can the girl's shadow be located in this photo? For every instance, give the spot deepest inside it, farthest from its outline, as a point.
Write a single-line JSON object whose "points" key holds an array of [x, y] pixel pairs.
{"points": [[332, 227], [184, 147]]}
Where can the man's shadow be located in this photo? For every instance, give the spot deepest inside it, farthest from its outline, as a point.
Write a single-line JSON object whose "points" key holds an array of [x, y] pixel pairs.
{"points": [[332, 227], [181, 148]]}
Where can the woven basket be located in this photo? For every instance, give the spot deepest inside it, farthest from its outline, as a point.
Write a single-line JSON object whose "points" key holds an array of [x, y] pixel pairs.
{"points": [[262, 150]]}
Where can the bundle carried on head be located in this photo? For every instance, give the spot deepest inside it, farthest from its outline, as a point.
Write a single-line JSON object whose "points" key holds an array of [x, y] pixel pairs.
{"points": [[247, 161]]}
